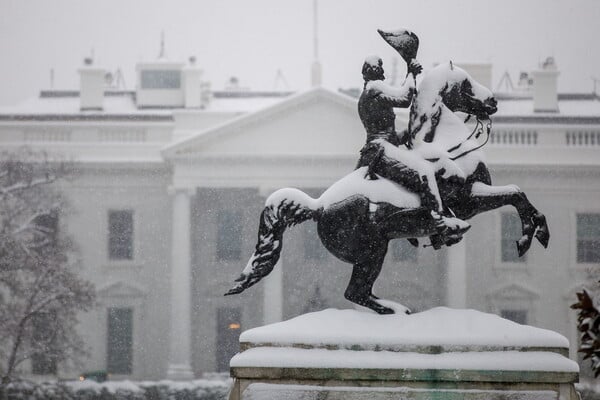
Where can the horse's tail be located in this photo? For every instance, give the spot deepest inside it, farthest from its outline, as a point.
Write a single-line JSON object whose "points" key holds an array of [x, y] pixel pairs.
{"points": [[283, 209]]}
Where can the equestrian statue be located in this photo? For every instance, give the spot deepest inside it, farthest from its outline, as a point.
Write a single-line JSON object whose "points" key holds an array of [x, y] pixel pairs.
{"points": [[421, 184]]}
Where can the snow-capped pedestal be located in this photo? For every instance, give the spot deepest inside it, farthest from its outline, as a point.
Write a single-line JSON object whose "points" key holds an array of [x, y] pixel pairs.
{"points": [[357, 354]]}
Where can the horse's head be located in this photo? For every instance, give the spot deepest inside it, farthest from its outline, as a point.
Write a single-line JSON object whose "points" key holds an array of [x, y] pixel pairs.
{"points": [[460, 92]]}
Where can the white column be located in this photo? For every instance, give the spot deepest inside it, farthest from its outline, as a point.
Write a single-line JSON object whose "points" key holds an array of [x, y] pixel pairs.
{"points": [[180, 332], [273, 283], [273, 295], [457, 276]]}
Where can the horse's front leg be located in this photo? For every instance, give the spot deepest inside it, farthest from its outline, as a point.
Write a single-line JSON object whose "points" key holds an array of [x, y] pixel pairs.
{"points": [[533, 223]]}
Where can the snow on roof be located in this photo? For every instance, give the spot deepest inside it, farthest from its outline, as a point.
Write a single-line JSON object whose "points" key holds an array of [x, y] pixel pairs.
{"points": [[241, 104], [279, 106], [123, 103], [70, 105], [567, 107]]}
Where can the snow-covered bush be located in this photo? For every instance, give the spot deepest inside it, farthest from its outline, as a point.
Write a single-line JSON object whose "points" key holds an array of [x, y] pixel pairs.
{"points": [[588, 389], [122, 390], [588, 323]]}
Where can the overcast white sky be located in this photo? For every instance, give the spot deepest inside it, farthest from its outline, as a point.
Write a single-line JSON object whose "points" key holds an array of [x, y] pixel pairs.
{"points": [[253, 39]]}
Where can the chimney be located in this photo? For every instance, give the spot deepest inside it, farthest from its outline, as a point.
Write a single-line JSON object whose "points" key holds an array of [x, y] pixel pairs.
{"points": [[545, 94], [91, 86], [192, 85]]}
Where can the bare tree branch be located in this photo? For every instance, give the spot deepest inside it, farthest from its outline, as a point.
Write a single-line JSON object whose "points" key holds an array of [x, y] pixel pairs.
{"points": [[26, 185], [35, 277]]}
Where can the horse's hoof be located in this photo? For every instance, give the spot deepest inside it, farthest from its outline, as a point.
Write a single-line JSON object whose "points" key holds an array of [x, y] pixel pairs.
{"points": [[384, 310], [542, 233], [237, 289], [370, 303], [543, 237], [523, 245], [378, 308]]}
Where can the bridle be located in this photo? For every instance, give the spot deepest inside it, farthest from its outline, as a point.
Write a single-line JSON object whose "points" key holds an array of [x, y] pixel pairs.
{"points": [[478, 130]]}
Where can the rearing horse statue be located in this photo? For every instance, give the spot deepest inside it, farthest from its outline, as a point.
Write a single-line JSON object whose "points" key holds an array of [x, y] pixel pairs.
{"points": [[357, 217]]}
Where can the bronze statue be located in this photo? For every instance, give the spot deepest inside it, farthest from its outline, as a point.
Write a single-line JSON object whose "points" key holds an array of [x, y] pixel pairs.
{"points": [[376, 110], [393, 192]]}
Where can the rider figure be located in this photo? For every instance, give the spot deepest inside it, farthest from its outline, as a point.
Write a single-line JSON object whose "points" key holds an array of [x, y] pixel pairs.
{"points": [[376, 111]]}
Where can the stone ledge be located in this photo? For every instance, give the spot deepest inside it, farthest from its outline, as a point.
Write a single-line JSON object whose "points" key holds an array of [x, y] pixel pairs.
{"points": [[423, 349], [403, 375], [264, 391], [320, 364]]}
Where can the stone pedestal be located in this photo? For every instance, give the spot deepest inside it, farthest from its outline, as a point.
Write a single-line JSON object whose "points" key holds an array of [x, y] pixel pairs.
{"points": [[440, 353]]}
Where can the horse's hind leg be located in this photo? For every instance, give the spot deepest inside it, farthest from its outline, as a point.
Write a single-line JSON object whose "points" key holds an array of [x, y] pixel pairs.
{"points": [[360, 287], [533, 222]]}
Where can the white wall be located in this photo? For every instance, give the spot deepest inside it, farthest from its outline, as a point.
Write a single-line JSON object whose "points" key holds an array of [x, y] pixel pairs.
{"points": [[145, 278]]}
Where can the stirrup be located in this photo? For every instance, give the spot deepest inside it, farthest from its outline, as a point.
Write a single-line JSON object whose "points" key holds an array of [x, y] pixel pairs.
{"points": [[449, 225], [450, 230], [439, 240]]}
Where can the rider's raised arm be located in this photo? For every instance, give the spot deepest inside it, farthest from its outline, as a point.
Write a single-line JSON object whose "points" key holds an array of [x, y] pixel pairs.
{"points": [[394, 96], [398, 96]]}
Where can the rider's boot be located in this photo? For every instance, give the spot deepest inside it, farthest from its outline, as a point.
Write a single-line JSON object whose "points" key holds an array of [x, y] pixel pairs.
{"points": [[449, 229]]}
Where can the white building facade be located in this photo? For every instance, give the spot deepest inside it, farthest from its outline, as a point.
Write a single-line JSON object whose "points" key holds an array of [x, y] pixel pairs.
{"points": [[173, 177]]}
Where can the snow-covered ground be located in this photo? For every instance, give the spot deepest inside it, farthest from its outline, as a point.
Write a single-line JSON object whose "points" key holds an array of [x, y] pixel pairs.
{"points": [[211, 388], [131, 386]]}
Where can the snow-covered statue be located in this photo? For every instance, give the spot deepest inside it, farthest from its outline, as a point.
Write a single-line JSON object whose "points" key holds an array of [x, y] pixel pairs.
{"points": [[422, 183], [376, 110]]}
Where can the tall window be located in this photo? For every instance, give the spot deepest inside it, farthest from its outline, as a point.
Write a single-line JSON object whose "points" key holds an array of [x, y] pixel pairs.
{"points": [[229, 235], [120, 234], [511, 232], [313, 248], [119, 357], [402, 250], [588, 238], [42, 360], [518, 316], [229, 326], [161, 79]]}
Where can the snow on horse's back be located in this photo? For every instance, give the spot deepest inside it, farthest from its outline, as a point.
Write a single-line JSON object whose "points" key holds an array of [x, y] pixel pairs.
{"points": [[377, 191]]}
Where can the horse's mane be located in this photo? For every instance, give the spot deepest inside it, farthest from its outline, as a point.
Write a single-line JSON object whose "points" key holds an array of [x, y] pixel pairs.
{"points": [[428, 106]]}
